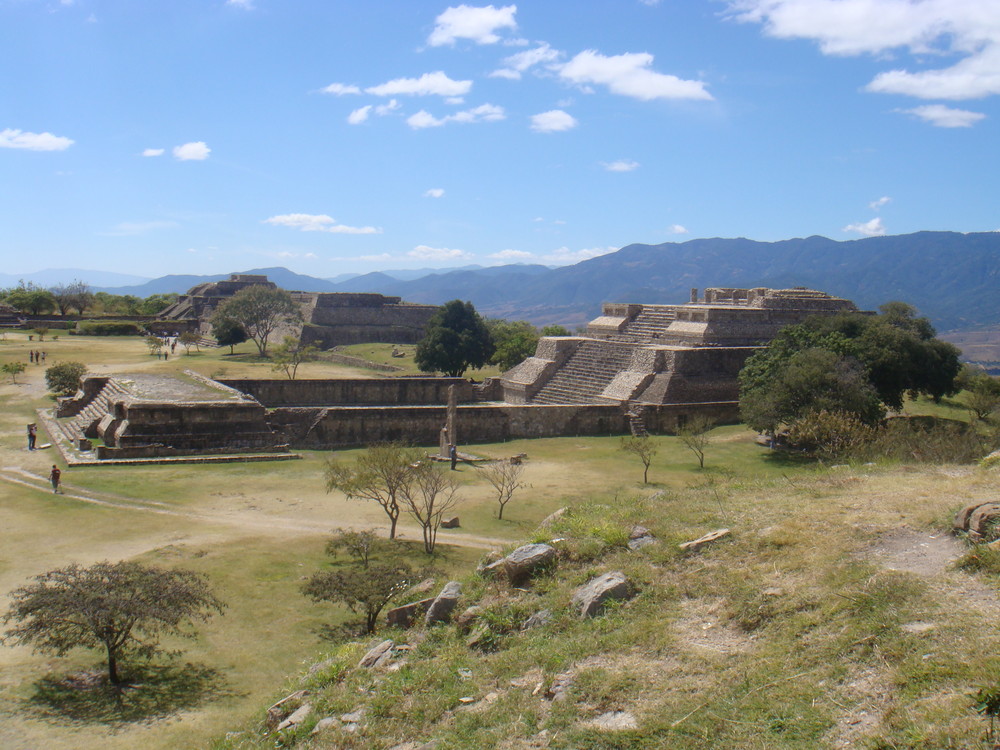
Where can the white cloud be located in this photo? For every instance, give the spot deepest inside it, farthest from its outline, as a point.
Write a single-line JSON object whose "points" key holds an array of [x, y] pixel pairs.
{"points": [[969, 29], [553, 121], [876, 205], [945, 117], [10, 138], [512, 255], [317, 223], [467, 22], [482, 113], [677, 229], [565, 256], [455, 100], [359, 115], [191, 250], [194, 151], [515, 65], [629, 74], [390, 106], [434, 193], [424, 252], [622, 165], [381, 256], [152, 152], [131, 228], [340, 89], [871, 228], [244, 4], [429, 84]]}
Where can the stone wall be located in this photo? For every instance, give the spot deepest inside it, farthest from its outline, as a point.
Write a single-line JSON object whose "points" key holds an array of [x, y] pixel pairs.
{"points": [[370, 392]]}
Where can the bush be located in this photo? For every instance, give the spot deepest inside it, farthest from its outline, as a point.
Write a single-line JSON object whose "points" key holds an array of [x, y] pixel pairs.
{"points": [[108, 328], [65, 378], [829, 434]]}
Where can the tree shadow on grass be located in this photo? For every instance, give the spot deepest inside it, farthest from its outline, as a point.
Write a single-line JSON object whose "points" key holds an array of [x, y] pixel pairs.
{"points": [[150, 692]]}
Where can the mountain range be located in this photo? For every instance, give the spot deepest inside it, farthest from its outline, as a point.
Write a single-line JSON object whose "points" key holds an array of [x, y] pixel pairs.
{"points": [[951, 277]]}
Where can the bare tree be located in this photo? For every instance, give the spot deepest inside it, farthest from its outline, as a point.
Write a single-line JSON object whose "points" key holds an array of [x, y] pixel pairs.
{"points": [[694, 435], [506, 477], [290, 354], [642, 447], [260, 310], [378, 475], [428, 494]]}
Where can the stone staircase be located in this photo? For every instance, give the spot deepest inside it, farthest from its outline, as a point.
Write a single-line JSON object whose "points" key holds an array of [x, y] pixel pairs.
{"points": [[90, 411], [583, 377], [648, 325], [637, 421]]}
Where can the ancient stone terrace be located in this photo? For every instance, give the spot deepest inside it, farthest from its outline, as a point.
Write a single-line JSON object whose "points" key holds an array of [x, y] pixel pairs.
{"points": [[663, 354]]}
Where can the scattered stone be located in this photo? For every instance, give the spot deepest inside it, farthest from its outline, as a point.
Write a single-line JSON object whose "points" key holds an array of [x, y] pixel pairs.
{"points": [[465, 673], [614, 721], [319, 666], [982, 518], [465, 620], [550, 519], [441, 608], [697, 544], [644, 541], [477, 636], [559, 689], [961, 520], [423, 587], [773, 591], [918, 627], [537, 620], [284, 708], [354, 717], [403, 617], [451, 523], [297, 717], [378, 655], [638, 532], [467, 699], [323, 724], [415, 745], [527, 561], [590, 598], [492, 570]]}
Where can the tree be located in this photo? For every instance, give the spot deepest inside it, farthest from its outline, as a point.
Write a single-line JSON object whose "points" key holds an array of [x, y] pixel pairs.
{"points": [[228, 332], [154, 344], [364, 589], [154, 304], [189, 339], [75, 296], [13, 369], [983, 397], [65, 378], [555, 330], [122, 608], [290, 354], [360, 545], [377, 475], [456, 339], [514, 341], [644, 448], [428, 495], [31, 299], [694, 434], [506, 477], [260, 310]]}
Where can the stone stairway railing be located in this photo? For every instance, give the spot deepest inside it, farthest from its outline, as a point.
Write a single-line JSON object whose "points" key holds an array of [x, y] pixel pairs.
{"points": [[93, 411], [585, 374]]}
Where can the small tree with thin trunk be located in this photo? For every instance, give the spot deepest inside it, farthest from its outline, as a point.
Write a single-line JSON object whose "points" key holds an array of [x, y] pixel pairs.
{"points": [[189, 339], [121, 608], [694, 435], [377, 475], [42, 332], [13, 369], [644, 448], [506, 476], [428, 495], [154, 344], [364, 589], [289, 355]]}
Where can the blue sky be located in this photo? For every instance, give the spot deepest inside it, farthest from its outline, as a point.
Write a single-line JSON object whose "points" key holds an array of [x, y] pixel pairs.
{"points": [[208, 136]]}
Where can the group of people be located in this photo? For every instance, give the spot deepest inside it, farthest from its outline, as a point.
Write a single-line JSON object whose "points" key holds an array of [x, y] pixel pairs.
{"points": [[36, 358], [55, 475]]}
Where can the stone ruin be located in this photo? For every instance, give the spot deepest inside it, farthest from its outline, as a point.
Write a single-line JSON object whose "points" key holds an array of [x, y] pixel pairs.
{"points": [[328, 319], [638, 368]]}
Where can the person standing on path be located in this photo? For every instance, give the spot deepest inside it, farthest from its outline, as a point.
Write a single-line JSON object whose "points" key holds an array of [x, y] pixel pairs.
{"points": [[32, 436], [54, 477]]}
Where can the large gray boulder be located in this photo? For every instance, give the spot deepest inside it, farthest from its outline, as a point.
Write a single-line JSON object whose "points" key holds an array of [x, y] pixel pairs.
{"points": [[377, 656], [403, 617], [441, 608], [590, 598], [528, 561]]}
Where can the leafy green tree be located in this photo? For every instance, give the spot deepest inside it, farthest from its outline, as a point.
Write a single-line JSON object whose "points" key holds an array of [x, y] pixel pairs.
{"points": [[13, 369], [155, 345], [514, 341], [189, 339], [361, 546], [377, 475], [122, 608], [457, 339], [365, 590], [260, 310], [644, 449], [154, 304], [228, 332], [41, 331], [31, 299], [290, 354], [983, 396], [65, 378], [555, 330]]}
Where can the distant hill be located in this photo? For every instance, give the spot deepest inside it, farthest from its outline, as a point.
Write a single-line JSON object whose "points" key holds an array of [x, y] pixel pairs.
{"points": [[55, 276]]}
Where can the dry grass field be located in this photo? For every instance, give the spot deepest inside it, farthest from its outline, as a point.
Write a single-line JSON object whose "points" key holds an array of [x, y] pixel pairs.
{"points": [[834, 617]]}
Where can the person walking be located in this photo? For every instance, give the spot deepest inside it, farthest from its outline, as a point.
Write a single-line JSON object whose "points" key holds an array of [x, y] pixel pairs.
{"points": [[32, 436], [54, 477], [453, 454]]}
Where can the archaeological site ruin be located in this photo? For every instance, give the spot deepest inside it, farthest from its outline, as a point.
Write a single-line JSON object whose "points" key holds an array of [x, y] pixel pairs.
{"points": [[638, 368]]}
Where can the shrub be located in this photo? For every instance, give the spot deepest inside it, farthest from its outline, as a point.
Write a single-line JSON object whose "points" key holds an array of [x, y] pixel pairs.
{"points": [[829, 434], [108, 328], [65, 378]]}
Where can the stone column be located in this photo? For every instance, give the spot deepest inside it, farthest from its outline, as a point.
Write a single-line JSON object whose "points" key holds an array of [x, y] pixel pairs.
{"points": [[452, 409]]}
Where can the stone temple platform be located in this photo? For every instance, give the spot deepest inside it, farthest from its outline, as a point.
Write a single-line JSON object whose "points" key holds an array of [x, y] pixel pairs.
{"points": [[137, 416]]}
